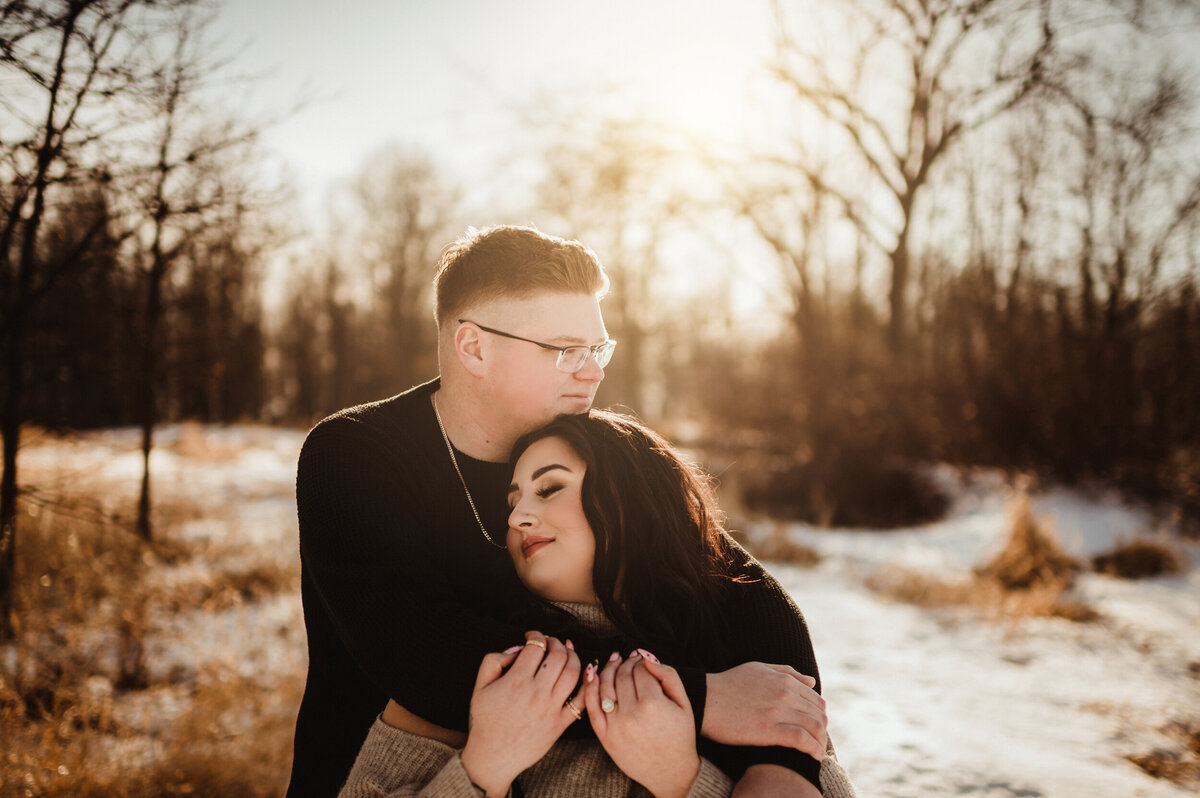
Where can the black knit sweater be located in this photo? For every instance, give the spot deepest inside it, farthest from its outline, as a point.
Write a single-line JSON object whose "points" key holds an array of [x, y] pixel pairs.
{"points": [[403, 595]]}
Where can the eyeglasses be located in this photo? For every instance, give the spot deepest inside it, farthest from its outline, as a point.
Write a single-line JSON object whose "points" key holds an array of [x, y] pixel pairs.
{"points": [[570, 358]]}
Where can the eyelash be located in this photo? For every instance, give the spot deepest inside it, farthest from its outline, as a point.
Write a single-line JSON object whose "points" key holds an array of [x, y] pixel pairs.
{"points": [[543, 492], [548, 490]]}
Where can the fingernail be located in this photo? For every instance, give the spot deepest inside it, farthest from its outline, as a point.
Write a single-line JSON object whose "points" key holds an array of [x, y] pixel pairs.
{"points": [[648, 655], [635, 654], [570, 645], [589, 672], [614, 657], [513, 650]]}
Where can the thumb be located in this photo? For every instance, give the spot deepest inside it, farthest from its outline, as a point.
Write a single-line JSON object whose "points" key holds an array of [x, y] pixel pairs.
{"points": [[494, 665]]}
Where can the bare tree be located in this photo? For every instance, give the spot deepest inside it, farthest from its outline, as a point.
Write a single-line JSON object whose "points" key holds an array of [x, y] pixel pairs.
{"points": [[403, 209], [60, 60], [922, 75], [197, 181], [614, 184]]}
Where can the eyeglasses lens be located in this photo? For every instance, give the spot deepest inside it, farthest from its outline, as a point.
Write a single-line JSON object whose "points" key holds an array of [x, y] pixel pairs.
{"points": [[572, 359]]}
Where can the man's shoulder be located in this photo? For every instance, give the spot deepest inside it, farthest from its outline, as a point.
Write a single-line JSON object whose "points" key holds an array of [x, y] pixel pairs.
{"points": [[394, 424], [404, 410]]}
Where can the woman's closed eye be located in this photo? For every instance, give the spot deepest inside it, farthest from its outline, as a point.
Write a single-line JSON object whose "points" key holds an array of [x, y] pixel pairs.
{"points": [[548, 490]]}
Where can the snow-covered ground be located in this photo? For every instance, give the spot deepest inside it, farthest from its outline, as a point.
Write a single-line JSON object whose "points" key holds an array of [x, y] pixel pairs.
{"points": [[925, 703], [921, 703]]}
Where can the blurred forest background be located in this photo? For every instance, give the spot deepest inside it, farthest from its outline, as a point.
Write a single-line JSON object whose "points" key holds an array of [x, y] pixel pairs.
{"points": [[979, 225]]}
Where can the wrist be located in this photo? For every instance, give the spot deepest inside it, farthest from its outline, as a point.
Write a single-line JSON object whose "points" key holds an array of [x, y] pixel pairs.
{"points": [[710, 715], [487, 779], [681, 785]]}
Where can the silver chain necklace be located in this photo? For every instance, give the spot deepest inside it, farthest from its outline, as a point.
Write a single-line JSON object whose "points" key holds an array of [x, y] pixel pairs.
{"points": [[454, 460]]}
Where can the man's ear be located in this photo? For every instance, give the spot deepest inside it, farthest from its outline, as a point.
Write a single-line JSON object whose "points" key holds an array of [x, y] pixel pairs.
{"points": [[468, 346]]}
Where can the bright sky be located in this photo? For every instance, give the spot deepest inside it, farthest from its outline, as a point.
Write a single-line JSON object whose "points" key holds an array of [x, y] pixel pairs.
{"points": [[442, 75]]}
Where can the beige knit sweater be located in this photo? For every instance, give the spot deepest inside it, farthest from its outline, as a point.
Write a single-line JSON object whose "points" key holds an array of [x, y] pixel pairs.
{"points": [[396, 763]]}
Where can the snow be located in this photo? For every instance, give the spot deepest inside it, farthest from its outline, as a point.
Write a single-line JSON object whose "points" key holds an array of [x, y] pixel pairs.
{"points": [[921, 702], [925, 703]]}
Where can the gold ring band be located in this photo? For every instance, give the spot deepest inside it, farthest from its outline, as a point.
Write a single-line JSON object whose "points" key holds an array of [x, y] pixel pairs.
{"points": [[537, 643], [574, 711]]}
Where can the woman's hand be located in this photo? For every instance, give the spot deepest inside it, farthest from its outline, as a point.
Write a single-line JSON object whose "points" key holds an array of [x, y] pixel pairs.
{"points": [[517, 710], [649, 730]]}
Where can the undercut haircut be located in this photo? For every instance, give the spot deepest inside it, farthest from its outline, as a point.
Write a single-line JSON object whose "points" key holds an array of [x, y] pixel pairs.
{"points": [[511, 262]]}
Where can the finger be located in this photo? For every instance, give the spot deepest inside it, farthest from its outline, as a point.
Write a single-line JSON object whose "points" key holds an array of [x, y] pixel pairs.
{"points": [[576, 704], [805, 679], [806, 699], [591, 699], [645, 685], [623, 681], [608, 692], [569, 677], [552, 664], [531, 656], [493, 665], [802, 740], [668, 678]]}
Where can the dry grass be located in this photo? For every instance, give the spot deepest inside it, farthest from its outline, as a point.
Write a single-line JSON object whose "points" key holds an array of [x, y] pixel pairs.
{"points": [[83, 603], [1180, 766], [1031, 577], [779, 547]]}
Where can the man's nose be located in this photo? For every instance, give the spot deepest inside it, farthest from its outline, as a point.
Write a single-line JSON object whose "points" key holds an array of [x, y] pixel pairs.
{"points": [[591, 371]]}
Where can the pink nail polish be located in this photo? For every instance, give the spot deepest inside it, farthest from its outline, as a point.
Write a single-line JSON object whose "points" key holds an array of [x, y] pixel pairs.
{"points": [[647, 655], [614, 657], [513, 650], [570, 646], [589, 673], [635, 654]]}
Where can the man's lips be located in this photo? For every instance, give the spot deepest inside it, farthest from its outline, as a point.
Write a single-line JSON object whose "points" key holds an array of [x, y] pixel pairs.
{"points": [[534, 543]]}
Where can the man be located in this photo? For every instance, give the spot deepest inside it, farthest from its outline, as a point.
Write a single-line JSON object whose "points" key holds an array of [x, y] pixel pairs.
{"points": [[403, 515]]}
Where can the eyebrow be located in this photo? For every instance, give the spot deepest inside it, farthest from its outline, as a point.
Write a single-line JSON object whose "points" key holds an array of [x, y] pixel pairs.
{"points": [[513, 487]]}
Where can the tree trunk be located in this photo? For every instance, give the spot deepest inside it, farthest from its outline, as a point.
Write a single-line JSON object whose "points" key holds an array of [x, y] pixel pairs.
{"points": [[147, 408], [898, 310], [10, 428]]}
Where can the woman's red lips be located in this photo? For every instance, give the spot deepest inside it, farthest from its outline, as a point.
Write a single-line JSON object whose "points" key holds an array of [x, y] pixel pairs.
{"points": [[531, 544]]}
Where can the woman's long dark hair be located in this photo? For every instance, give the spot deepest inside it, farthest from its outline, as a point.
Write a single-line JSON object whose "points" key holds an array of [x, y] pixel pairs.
{"points": [[662, 558]]}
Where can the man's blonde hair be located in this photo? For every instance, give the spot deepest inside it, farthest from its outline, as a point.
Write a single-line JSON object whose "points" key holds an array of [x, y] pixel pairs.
{"points": [[510, 262]]}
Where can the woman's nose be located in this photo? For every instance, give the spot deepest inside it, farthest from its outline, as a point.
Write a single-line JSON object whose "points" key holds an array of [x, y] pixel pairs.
{"points": [[520, 517]]}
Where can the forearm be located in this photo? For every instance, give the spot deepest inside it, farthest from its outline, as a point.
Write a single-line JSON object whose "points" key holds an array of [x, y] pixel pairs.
{"points": [[394, 764], [761, 781], [750, 717]]}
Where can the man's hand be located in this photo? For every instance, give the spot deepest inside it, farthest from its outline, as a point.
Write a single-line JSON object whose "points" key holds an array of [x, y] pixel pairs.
{"points": [[759, 704]]}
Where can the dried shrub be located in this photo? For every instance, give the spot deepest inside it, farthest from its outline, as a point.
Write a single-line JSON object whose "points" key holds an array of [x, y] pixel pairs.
{"points": [[1182, 765], [851, 490], [1031, 577], [1032, 558], [1140, 559]]}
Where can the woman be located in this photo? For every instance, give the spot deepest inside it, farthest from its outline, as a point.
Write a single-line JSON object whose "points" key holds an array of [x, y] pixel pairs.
{"points": [[618, 541]]}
